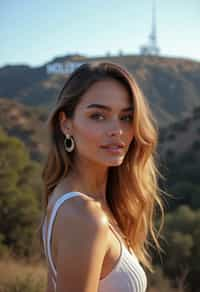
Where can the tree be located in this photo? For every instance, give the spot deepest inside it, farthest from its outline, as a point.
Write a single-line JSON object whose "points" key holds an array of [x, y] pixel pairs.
{"points": [[182, 247], [19, 204]]}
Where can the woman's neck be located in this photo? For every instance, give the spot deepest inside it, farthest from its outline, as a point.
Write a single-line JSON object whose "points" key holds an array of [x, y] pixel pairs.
{"points": [[90, 181]]}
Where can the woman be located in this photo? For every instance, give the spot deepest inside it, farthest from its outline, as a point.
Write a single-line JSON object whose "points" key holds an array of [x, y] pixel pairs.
{"points": [[100, 184]]}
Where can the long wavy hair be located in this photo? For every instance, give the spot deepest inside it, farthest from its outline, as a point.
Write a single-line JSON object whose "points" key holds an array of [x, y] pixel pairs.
{"points": [[132, 191]]}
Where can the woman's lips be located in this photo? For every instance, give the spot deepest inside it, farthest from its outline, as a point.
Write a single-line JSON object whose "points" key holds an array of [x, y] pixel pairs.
{"points": [[113, 149]]}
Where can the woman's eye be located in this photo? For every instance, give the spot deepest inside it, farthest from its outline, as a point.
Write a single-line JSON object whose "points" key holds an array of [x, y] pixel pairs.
{"points": [[127, 118], [97, 116]]}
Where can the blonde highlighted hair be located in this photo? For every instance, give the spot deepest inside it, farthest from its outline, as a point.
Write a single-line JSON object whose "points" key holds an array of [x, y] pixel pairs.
{"points": [[132, 193]]}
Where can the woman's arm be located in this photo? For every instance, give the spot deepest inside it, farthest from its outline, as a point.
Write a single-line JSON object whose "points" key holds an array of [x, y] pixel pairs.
{"points": [[82, 242]]}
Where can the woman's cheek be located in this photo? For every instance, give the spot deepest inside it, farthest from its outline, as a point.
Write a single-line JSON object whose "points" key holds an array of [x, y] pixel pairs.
{"points": [[90, 132]]}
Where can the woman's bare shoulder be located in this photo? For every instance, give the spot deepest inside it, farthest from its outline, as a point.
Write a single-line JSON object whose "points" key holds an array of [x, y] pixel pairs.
{"points": [[70, 202], [81, 209]]}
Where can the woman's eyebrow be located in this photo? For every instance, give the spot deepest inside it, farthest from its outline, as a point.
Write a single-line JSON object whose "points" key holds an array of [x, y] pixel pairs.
{"points": [[101, 106]]}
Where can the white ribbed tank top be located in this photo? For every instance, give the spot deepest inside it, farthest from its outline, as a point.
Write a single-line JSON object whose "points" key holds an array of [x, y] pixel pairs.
{"points": [[127, 275]]}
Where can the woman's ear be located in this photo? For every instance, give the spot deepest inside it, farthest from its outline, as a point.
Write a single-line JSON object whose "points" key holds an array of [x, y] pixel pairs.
{"points": [[65, 123]]}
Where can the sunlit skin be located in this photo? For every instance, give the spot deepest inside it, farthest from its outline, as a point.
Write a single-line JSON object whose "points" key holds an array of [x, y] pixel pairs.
{"points": [[103, 116]]}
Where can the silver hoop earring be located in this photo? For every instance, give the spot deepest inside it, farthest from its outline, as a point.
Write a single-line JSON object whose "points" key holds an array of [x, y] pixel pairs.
{"points": [[69, 143]]}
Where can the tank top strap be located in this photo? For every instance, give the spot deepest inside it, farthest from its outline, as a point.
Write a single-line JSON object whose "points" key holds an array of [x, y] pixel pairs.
{"points": [[47, 247], [117, 235]]}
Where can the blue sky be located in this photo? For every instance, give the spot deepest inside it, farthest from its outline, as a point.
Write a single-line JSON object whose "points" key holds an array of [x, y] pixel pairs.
{"points": [[33, 32]]}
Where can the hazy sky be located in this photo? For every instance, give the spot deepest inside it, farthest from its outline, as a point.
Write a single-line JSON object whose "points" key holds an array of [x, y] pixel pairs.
{"points": [[35, 31]]}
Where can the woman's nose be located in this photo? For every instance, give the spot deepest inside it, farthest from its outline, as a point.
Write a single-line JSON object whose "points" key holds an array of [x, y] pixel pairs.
{"points": [[115, 129]]}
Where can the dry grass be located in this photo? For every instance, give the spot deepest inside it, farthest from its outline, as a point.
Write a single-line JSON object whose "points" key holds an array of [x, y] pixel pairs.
{"points": [[21, 276]]}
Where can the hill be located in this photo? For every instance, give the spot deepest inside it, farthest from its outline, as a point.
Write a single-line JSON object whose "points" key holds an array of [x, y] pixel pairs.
{"points": [[181, 137], [26, 123], [179, 152], [172, 86]]}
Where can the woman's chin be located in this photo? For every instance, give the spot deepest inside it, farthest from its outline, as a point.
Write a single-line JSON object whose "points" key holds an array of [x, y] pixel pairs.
{"points": [[114, 162]]}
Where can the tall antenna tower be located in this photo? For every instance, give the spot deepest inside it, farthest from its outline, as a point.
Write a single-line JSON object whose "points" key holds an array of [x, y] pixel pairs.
{"points": [[151, 48]]}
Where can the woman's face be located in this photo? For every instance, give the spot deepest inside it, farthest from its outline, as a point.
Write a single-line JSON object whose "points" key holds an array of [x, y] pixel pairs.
{"points": [[102, 126]]}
